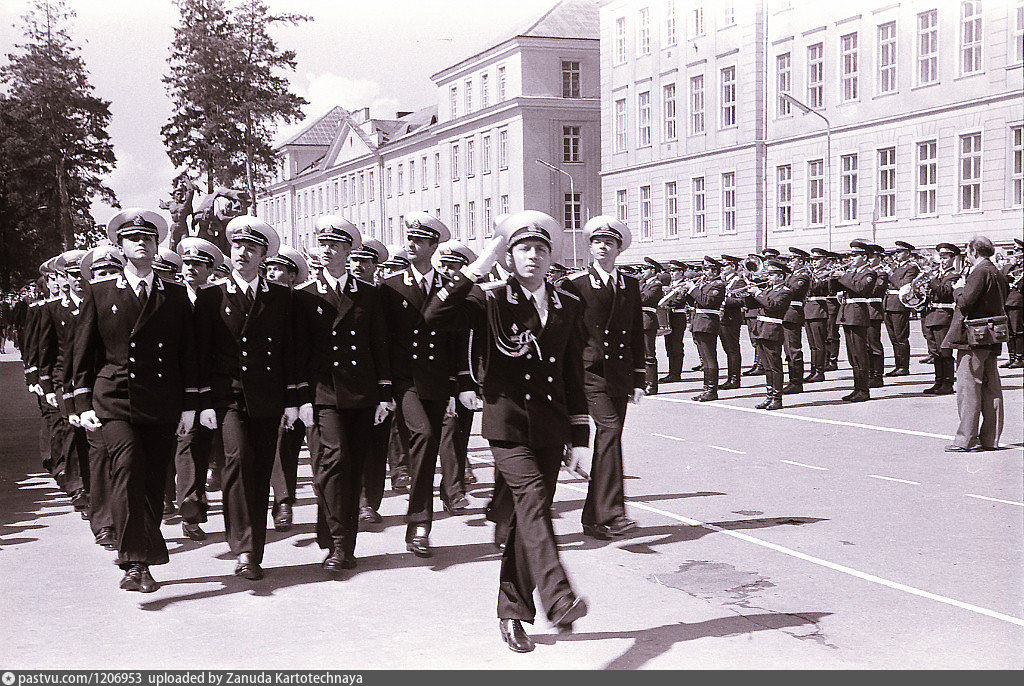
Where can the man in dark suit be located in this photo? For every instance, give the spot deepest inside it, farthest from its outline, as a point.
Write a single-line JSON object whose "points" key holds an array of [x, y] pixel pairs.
{"points": [[134, 380], [1014, 273], [772, 301], [247, 365], [897, 316], [534, 405], [816, 314], [651, 293], [706, 297], [799, 283], [938, 316], [979, 392], [732, 320], [858, 285]]}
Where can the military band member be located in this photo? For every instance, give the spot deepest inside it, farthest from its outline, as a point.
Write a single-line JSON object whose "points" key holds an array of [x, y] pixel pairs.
{"points": [[799, 283], [768, 332], [858, 282], [674, 301], [751, 314], [876, 312], [937, 317], [707, 296], [247, 358], [832, 330], [651, 293], [732, 320], [135, 381], [816, 315], [897, 316], [1014, 271], [534, 405]]}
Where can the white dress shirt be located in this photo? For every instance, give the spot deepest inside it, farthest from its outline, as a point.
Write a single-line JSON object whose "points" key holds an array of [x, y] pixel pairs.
{"points": [[540, 302], [427, 278], [247, 287], [134, 279], [337, 284], [607, 278]]}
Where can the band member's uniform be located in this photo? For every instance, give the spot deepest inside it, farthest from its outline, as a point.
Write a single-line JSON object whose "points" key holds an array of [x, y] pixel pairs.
{"points": [[706, 297], [876, 314], [773, 301], [799, 283], [816, 321], [1015, 308], [674, 301], [732, 321], [857, 284], [651, 293], [937, 316], [897, 315]]}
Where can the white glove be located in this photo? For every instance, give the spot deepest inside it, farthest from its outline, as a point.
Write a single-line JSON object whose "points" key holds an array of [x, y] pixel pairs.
{"points": [[188, 419], [638, 394], [51, 399], [208, 418], [37, 389], [75, 420], [489, 256], [381, 413], [306, 414], [290, 415], [449, 410], [89, 420], [574, 459], [470, 400]]}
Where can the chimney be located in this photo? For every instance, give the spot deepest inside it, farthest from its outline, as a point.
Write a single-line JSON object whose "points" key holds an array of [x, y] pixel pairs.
{"points": [[362, 115], [399, 115]]}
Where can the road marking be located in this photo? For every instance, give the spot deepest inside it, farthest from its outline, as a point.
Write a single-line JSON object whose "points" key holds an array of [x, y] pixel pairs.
{"points": [[995, 500], [728, 450], [673, 438], [816, 420], [890, 478], [801, 464]]}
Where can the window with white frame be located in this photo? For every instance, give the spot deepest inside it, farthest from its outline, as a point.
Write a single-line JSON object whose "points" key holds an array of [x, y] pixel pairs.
{"points": [[643, 31], [849, 67], [485, 152], [621, 205], [391, 231], [501, 84], [815, 76], [887, 57], [1018, 32], [643, 119], [344, 192], [697, 104], [453, 101], [970, 37], [570, 79], [573, 212], [620, 125], [469, 95], [1016, 166], [387, 182], [470, 157], [570, 143], [970, 171], [454, 161], [423, 172], [373, 228], [503, 205], [412, 177], [456, 221], [728, 99], [697, 21], [362, 185], [400, 179], [646, 224], [729, 202], [471, 219], [927, 177], [668, 100], [502, 148], [370, 185], [488, 218], [620, 40], [699, 227], [437, 169], [783, 83], [728, 12], [784, 196], [886, 192], [927, 47], [816, 192], [671, 36], [848, 188], [671, 210], [485, 90]]}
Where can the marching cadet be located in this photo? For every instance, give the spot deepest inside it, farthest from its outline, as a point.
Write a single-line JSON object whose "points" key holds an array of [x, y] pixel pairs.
{"points": [[732, 319], [651, 293], [897, 316], [674, 302], [557, 272], [244, 333], [799, 283], [751, 310], [612, 374], [816, 315], [768, 333], [707, 296], [167, 264], [134, 381], [938, 315], [363, 263], [534, 405], [51, 429], [832, 329], [1014, 271], [423, 362], [342, 325], [876, 312], [858, 283]]}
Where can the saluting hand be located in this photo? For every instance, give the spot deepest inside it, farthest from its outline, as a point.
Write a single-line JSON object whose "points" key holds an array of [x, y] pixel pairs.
{"points": [[490, 255], [208, 418]]}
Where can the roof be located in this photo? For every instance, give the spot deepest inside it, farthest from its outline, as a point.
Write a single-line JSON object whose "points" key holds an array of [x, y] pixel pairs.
{"points": [[567, 19], [410, 123], [321, 131]]}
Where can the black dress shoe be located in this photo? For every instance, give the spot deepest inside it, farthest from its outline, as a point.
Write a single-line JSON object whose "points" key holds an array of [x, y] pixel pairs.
{"points": [[80, 500], [697, 368], [193, 531], [469, 477], [456, 506], [944, 389], [105, 538], [566, 611], [349, 562], [831, 366], [730, 383], [620, 525], [598, 531], [401, 483], [132, 578], [283, 518], [247, 569], [707, 395], [876, 382], [515, 636], [669, 378], [931, 389], [815, 377], [147, 584], [335, 561], [857, 397], [368, 515], [417, 541], [792, 389]]}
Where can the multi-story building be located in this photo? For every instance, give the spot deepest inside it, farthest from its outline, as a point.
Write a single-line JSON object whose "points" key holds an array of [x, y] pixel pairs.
{"points": [[734, 125], [517, 126]]}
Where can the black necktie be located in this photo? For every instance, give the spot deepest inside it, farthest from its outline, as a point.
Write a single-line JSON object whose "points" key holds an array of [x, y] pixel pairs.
{"points": [[247, 293], [143, 296], [425, 288]]}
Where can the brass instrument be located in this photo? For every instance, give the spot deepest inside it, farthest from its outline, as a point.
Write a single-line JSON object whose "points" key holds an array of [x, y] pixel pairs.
{"points": [[753, 264], [914, 295]]}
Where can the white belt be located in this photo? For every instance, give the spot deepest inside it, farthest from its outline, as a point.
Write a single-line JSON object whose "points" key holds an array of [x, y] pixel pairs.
{"points": [[892, 292], [874, 300], [796, 303], [858, 300], [942, 306], [717, 312], [770, 320], [817, 297], [678, 309], [649, 309]]}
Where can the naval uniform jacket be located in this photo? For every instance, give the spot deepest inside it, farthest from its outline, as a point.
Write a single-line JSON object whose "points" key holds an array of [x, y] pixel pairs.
{"points": [[800, 285], [613, 349], [858, 284], [29, 343], [772, 305], [532, 376], [651, 294], [938, 312], [134, 363], [706, 299], [345, 338], [56, 342], [901, 276], [247, 351], [1015, 296]]}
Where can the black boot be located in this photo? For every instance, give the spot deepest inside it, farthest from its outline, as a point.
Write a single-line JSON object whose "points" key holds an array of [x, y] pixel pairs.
{"points": [[731, 382], [792, 388], [832, 365], [817, 375], [756, 370], [709, 393], [1010, 362]]}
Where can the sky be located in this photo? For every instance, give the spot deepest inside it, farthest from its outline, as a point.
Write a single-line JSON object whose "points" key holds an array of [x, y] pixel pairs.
{"points": [[379, 54]]}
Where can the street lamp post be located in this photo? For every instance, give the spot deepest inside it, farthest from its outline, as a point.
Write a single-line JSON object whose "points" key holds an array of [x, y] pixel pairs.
{"points": [[828, 157], [572, 194]]}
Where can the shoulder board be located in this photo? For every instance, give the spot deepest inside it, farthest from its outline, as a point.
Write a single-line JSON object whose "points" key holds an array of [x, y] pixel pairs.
{"points": [[493, 285], [212, 284], [562, 291], [108, 277], [54, 299], [576, 275]]}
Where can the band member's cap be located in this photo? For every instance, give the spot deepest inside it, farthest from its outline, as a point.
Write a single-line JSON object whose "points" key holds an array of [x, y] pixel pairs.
{"points": [[292, 259], [947, 248], [1019, 243], [859, 245], [799, 253], [223, 270], [603, 226], [531, 224], [167, 261], [769, 252], [876, 249], [371, 249], [820, 252], [137, 221], [654, 263], [455, 252], [903, 245], [69, 261], [195, 249], [778, 265], [254, 230], [102, 256], [676, 264], [731, 258], [334, 228], [420, 224], [709, 260]]}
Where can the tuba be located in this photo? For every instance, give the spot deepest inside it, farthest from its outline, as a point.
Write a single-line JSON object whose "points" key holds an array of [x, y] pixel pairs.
{"points": [[914, 295]]}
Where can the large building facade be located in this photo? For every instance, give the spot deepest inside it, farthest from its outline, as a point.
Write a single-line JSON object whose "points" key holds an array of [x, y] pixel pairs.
{"points": [[734, 125], [516, 126]]}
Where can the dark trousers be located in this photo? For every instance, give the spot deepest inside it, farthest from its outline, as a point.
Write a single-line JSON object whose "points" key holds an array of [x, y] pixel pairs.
{"points": [[453, 451], [47, 454], [398, 447], [898, 326], [139, 458], [285, 476], [857, 353], [422, 420], [249, 444], [530, 559], [793, 345], [191, 462], [707, 349], [832, 332], [376, 465], [651, 358], [100, 484], [674, 342], [817, 340], [344, 435], [500, 508], [933, 336], [750, 335], [876, 353], [605, 496], [730, 335], [770, 357], [74, 448], [1015, 319]]}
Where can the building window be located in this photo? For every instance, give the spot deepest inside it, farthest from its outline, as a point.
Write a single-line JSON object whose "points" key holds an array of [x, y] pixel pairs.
{"points": [[454, 101], [573, 211], [1018, 34], [670, 23], [643, 119], [391, 231], [469, 96], [886, 183], [485, 90], [412, 176], [369, 185], [928, 47], [728, 97], [401, 181], [471, 220], [729, 202], [815, 76], [502, 148], [570, 144], [488, 217], [362, 184], [697, 104], [849, 66], [699, 226], [423, 172], [970, 171], [1017, 166], [887, 57], [816, 192], [470, 157], [570, 79], [501, 84], [503, 206], [455, 161], [645, 213], [485, 162], [697, 21], [970, 37], [927, 177], [387, 181], [437, 169], [783, 83], [671, 210], [620, 125], [668, 99], [457, 222], [643, 31], [620, 40], [848, 188], [373, 228], [621, 207], [728, 12], [344, 192], [784, 186]]}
